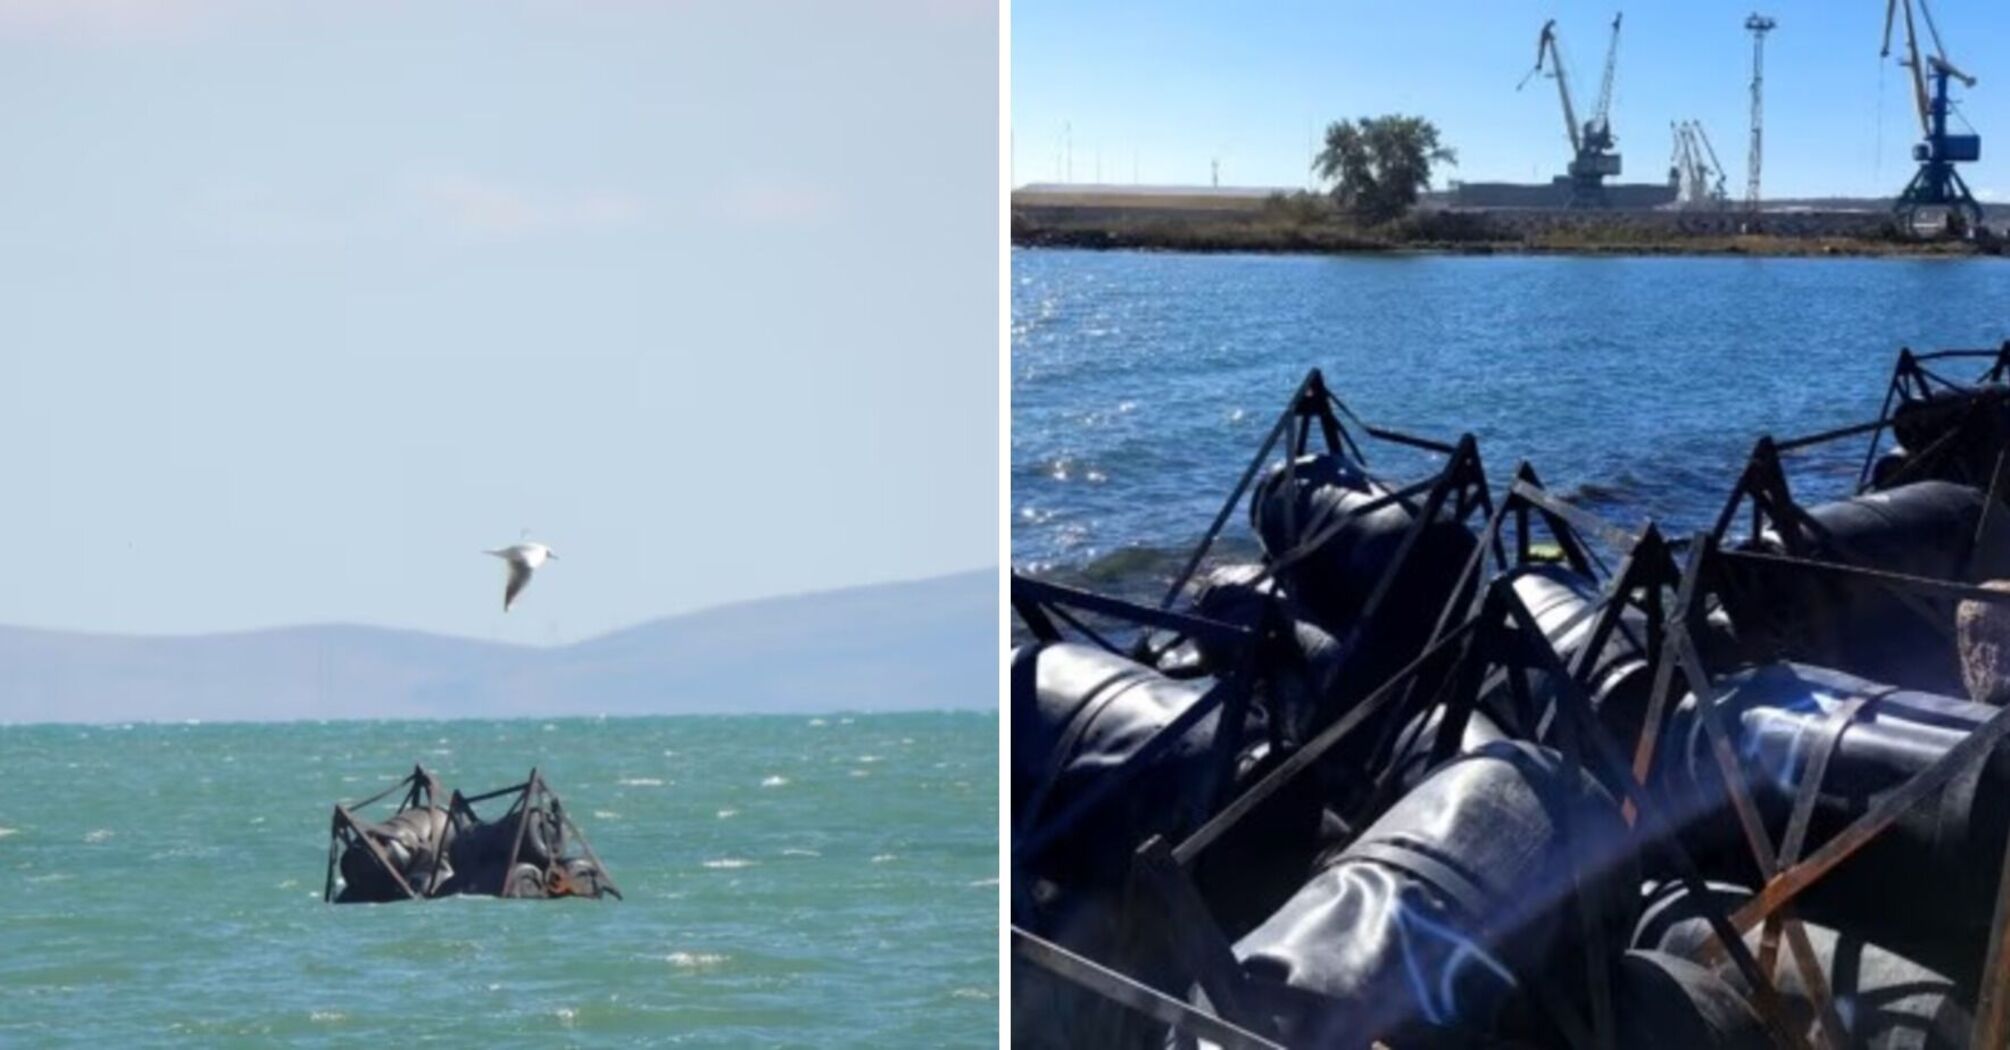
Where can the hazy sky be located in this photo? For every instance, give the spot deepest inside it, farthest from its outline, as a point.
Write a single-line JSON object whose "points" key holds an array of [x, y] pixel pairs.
{"points": [[1163, 87], [303, 304]]}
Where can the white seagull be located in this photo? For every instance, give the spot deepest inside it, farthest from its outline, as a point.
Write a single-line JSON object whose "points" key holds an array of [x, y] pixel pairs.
{"points": [[523, 559]]}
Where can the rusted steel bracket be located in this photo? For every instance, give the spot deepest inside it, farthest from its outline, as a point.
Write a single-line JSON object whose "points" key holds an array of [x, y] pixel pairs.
{"points": [[1143, 999], [1680, 651], [607, 881], [1789, 875], [1683, 617], [422, 788], [532, 788], [1042, 596], [1305, 399], [1303, 758], [1992, 1006], [348, 827], [1605, 755], [1202, 946], [1794, 880]]}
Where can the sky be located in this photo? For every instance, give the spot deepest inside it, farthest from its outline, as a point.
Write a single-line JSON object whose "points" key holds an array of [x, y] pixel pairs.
{"points": [[1159, 90], [303, 305]]}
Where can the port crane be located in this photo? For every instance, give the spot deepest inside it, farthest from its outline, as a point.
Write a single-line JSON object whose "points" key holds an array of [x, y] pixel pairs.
{"points": [[1694, 168], [1592, 155], [1937, 184]]}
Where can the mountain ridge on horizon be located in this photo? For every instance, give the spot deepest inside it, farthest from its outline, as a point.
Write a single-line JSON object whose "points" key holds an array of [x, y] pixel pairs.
{"points": [[351, 625], [907, 645]]}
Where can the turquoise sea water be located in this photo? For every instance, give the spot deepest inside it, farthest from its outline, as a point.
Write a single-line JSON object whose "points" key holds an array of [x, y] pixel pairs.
{"points": [[790, 881]]}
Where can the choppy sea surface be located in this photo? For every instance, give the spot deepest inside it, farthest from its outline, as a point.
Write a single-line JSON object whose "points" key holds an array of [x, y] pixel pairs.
{"points": [[1143, 382], [790, 881]]}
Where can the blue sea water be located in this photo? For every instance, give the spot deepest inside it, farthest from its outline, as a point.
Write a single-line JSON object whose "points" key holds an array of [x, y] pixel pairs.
{"points": [[791, 881], [1143, 382]]}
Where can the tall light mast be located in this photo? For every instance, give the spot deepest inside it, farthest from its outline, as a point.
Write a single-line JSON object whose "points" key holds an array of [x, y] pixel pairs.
{"points": [[1759, 25]]}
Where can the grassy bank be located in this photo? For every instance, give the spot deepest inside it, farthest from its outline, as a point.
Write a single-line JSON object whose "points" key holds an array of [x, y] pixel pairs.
{"points": [[1309, 225]]}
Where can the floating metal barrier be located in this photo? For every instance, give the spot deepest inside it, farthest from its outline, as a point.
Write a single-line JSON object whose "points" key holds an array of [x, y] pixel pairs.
{"points": [[427, 849], [1563, 729]]}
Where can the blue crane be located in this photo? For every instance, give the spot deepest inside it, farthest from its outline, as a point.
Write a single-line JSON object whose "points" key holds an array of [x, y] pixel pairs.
{"points": [[1937, 184]]}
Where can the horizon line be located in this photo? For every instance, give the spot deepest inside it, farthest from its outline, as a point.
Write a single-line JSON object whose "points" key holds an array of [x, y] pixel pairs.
{"points": [[813, 712]]}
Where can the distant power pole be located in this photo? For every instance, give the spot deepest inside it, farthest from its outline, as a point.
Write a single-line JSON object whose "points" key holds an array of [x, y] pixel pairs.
{"points": [[1759, 25], [1214, 167]]}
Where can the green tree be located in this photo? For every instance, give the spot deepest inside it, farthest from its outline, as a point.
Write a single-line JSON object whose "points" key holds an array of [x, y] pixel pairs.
{"points": [[1378, 165]]}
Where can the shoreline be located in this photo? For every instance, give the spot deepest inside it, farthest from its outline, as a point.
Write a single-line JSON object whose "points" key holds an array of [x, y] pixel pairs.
{"points": [[1304, 224], [1257, 240]]}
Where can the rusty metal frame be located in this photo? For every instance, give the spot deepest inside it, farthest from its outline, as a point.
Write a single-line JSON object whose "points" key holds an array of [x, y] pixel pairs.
{"points": [[1762, 488], [1912, 380], [1647, 574], [1039, 603], [1311, 404], [535, 793], [1457, 491], [422, 790], [1497, 632], [1789, 872], [1045, 607], [1501, 632], [1164, 900], [1461, 482]]}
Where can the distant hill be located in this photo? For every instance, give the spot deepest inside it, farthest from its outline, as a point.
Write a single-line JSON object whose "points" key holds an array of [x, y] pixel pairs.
{"points": [[891, 647]]}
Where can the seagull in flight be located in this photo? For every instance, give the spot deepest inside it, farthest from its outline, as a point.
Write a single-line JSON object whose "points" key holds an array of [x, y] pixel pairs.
{"points": [[524, 559]]}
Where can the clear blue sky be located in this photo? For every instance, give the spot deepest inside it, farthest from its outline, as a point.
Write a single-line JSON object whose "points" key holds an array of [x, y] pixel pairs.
{"points": [[304, 304], [1173, 84]]}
